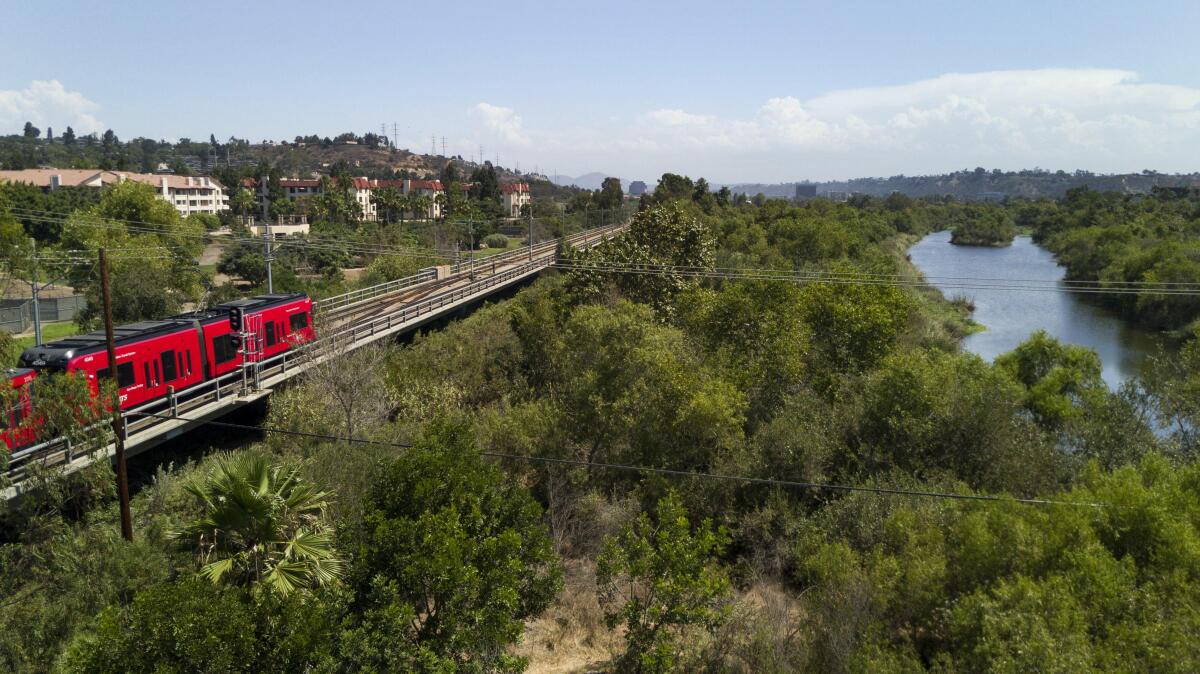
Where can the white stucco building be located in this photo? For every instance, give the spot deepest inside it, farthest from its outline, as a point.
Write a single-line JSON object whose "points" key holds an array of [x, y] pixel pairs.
{"points": [[514, 197], [188, 194]]}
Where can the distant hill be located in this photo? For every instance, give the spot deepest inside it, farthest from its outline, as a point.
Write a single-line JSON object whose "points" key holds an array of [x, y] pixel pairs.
{"points": [[983, 184], [587, 181]]}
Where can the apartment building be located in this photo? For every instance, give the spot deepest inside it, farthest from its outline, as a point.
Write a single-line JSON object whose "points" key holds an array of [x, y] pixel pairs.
{"points": [[514, 197], [188, 194]]}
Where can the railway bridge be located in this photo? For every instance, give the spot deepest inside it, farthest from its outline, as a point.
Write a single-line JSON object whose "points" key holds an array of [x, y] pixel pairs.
{"points": [[345, 323]]}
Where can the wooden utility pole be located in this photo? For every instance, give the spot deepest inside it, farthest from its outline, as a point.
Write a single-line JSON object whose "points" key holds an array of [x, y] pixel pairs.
{"points": [[118, 423]]}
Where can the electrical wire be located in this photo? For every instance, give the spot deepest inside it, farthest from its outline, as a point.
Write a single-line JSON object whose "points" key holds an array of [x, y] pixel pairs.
{"points": [[768, 275], [140, 227], [795, 484]]}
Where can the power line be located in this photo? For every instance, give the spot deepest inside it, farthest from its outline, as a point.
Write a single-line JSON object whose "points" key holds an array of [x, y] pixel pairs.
{"points": [[797, 484], [313, 243], [833, 279]]}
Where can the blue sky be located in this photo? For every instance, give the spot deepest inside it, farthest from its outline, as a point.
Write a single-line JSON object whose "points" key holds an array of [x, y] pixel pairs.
{"points": [[732, 91]]}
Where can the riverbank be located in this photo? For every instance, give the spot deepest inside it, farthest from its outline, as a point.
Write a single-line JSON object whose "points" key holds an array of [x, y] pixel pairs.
{"points": [[953, 315], [1011, 315]]}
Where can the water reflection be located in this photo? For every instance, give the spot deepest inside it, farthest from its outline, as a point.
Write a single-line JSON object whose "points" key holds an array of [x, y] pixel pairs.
{"points": [[1011, 316]]}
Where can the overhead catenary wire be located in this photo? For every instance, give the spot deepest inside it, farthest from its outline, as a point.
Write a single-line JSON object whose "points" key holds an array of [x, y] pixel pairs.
{"points": [[141, 227], [1113, 287], [744, 479], [871, 275], [1047, 285], [310, 241]]}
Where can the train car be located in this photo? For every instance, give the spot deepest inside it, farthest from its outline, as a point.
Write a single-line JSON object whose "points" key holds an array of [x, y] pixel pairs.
{"points": [[275, 323], [151, 356], [182, 351], [18, 409]]}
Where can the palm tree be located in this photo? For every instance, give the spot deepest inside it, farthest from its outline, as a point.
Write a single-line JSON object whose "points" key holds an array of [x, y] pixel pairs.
{"points": [[387, 201], [419, 204], [243, 201], [261, 523]]}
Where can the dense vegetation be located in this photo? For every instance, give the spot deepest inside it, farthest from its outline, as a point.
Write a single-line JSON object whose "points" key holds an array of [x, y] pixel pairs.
{"points": [[988, 226], [491, 524], [1119, 241]]}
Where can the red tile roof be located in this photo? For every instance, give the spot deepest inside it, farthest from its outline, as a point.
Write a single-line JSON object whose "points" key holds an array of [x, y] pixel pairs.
{"points": [[435, 185], [514, 187]]}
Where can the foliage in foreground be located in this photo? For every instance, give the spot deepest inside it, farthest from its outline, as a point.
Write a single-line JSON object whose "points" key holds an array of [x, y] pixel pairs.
{"points": [[261, 524], [659, 576], [451, 558]]}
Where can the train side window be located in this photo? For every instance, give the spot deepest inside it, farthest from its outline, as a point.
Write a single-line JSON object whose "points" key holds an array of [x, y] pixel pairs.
{"points": [[223, 350], [168, 365], [271, 333], [299, 321], [157, 376], [146, 366], [124, 375]]}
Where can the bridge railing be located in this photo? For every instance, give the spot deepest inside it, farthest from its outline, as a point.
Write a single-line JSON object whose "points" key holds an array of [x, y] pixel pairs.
{"points": [[538, 248], [329, 304]]}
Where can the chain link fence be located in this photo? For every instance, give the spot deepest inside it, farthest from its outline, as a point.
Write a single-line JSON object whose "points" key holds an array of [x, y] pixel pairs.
{"points": [[17, 315]]}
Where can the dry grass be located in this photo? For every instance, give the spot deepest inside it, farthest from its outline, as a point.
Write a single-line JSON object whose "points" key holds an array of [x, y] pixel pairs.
{"points": [[571, 636], [765, 632]]}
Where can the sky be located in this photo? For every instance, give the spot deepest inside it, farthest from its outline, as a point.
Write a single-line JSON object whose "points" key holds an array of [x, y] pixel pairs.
{"points": [[732, 91]]}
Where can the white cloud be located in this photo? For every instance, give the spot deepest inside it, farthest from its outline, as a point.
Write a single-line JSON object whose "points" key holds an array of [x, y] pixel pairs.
{"points": [[1106, 120], [48, 103], [502, 123]]}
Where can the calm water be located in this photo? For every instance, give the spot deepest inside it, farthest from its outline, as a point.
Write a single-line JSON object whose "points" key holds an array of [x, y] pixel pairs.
{"points": [[1010, 316]]}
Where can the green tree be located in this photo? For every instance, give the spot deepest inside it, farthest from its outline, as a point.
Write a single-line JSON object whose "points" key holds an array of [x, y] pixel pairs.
{"points": [[389, 204], [485, 184], [659, 576], [243, 202], [31, 131], [453, 558], [152, 264], [260, 524], [68, 137], [662, 237], [1058, 378], [193, 626], [632, 391], [853, 325], [610, 197], [419, 205]]}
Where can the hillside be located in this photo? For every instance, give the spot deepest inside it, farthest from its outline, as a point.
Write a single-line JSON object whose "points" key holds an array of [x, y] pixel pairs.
{"points": [[982, 184], [366, 155]]}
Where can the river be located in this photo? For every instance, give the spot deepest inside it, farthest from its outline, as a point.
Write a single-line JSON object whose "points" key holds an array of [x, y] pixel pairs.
{"points": [[1010, 316]]}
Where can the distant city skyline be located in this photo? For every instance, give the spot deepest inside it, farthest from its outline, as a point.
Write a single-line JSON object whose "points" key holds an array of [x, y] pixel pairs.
{"points": [[765, 92]]}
